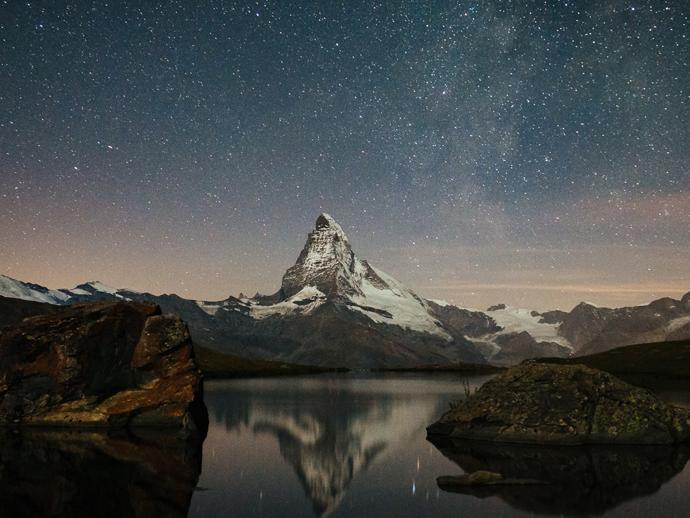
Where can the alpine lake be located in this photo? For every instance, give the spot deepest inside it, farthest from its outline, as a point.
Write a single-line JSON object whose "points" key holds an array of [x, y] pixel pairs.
{"points": [[355, 445], [340, 445]]}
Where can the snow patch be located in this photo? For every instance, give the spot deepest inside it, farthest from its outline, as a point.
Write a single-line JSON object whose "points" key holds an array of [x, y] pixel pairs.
{"points": [[99, 286], [303, 302], [208, 307], [78, 291]]}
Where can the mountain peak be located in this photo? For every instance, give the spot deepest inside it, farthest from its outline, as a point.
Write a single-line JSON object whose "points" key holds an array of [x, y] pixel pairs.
{"points": [[326, 223], [96, 286], [326, 220], [329, 271], [326, 261]]}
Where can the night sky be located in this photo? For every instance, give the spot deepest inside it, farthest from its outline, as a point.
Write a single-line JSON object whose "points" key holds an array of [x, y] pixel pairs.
{"points": [[534, 153]]}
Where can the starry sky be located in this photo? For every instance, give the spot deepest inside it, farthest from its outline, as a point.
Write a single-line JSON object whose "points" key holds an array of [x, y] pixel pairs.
{"points": [[534, 153]]}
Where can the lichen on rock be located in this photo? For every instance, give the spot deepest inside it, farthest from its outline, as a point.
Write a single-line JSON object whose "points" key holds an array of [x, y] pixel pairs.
{"points": [[563, 404]]}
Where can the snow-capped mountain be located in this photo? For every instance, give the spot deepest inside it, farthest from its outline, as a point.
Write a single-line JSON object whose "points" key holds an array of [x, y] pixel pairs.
{"points": [[15, 289], [334, 308], [327, 270], [91, 290]]}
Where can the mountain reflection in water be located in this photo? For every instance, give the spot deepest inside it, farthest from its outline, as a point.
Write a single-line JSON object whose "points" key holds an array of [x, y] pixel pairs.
{"points": [[354, 446], [327, 435]]}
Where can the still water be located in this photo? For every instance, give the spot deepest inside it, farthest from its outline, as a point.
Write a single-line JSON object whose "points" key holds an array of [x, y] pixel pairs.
{"points": [[355, 446]]}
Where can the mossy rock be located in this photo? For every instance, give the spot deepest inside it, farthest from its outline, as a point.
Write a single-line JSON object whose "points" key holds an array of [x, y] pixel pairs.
{"points": [[563, 404]]}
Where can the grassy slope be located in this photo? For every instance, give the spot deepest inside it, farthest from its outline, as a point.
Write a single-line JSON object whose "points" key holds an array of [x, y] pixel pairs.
{"points": [[220, 365], [664, 359]]}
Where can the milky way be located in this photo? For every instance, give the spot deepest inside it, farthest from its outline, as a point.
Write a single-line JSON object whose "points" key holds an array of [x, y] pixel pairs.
{"points": [[534, 153]]}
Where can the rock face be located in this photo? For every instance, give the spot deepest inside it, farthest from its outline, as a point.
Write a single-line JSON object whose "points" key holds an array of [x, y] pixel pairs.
{"points": [[563, 404], [464, 321], [592, 329], [326, 254], [102, 364]]}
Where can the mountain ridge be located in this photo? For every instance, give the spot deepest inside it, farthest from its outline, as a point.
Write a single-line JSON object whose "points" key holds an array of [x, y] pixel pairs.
{"points": [[335, 309]]}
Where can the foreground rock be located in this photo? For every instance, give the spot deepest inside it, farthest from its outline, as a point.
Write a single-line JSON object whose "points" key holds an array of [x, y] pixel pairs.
{"points": [[563, 404], [103, 364]]}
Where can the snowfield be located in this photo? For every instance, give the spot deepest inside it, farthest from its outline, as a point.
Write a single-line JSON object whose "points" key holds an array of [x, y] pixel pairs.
{"points": [[19, 290], [516, 320], [406, 309]]}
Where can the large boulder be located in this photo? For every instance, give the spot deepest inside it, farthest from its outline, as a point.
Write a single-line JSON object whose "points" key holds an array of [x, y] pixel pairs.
{"points": [[102, 364], [563, 404]]}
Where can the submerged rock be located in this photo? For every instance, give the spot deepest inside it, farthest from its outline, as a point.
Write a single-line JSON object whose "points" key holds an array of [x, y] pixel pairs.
{"points": [[482, 479], [103, 364], [563, 404]]}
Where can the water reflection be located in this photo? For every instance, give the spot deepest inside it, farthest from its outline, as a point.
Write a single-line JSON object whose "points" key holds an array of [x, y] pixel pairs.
{"points": [[581, 480], [76, 474], [326, 433], [352, 446]]}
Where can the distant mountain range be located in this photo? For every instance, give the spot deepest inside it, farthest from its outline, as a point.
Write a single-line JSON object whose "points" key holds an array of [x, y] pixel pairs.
{"points": [[338, 310]]}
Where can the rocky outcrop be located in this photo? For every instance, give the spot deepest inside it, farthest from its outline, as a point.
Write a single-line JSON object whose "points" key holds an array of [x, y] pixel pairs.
{"points": [[102, 364], [563, 404]]}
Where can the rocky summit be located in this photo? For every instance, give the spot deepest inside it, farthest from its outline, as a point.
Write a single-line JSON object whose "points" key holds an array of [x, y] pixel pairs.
{"points": [[563, 404], [101, 364], [326, 263]]}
